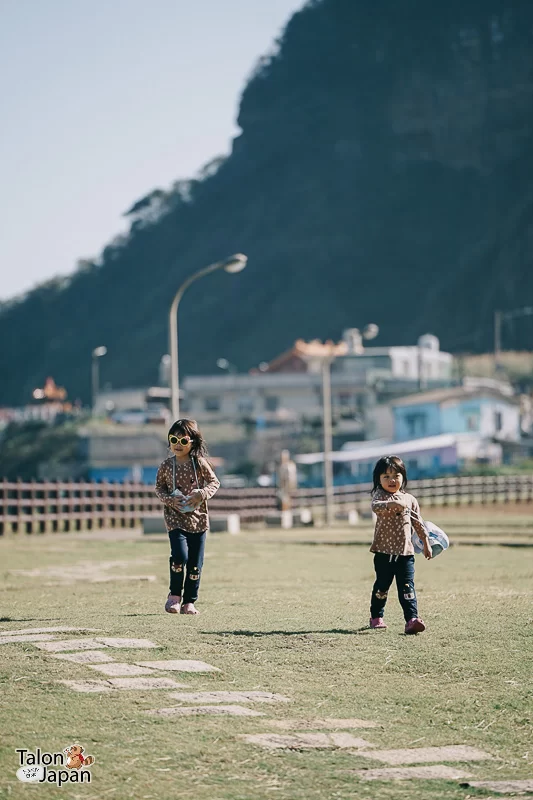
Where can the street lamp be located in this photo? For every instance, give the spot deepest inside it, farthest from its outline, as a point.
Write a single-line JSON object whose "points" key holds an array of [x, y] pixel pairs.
{"points": [[233, 264], [224, 364], [499, 317], [370, 332], [98, 352]]}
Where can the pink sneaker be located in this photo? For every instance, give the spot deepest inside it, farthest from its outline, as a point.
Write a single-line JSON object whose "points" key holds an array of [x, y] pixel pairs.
{"points": [[173, 604], [414, 625], [188, 608], [377, 622]]}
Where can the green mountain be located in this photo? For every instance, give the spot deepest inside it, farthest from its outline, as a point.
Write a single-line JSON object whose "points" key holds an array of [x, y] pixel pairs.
{"points": [[383, 174]]}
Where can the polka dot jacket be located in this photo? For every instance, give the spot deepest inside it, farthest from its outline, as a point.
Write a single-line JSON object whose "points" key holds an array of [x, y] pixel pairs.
{"points": [[392, 534], [196, 521]]}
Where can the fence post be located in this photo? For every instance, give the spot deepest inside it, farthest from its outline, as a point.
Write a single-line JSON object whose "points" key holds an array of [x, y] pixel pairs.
{"points": [[3, 515]]}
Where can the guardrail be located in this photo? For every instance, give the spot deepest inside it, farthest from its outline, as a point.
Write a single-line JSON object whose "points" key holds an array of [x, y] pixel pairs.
{"points": [[34, 507]]}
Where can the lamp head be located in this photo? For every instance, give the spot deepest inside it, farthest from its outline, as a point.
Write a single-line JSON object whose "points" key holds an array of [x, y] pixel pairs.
{"points": [[371, 331], [235, 263]]}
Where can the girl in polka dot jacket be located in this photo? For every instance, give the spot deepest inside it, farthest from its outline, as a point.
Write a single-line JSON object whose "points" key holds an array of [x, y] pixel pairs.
{"points": [[394, 555], [184, 483]]}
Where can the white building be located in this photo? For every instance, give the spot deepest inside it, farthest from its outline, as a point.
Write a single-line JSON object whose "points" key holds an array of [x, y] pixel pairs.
{"points": [[290, 387], [423, 362]]}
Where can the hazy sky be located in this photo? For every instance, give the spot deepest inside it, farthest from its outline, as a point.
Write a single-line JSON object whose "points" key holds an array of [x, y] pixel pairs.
{"points": [[105, 100]]}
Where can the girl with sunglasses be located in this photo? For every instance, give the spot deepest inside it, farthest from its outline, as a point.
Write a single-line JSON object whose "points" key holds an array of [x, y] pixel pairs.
{"points": [[185, 481]]}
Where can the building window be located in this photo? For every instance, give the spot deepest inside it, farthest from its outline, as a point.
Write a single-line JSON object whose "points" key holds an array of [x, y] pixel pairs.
{"points": [[498, 421], [271, 403], [212, 403], [472, 422], [344, 399], [416, 424], [245, 404]]}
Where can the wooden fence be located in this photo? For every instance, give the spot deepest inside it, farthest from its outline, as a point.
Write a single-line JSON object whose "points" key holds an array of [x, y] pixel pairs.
{"points": [[69, 506]]}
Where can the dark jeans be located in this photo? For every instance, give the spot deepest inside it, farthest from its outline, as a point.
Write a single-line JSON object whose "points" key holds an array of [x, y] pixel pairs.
{"points": [[387, 568], [186, 561]]}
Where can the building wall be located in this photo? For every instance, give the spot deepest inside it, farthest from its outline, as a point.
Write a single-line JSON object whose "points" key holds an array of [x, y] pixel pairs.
{"points": [[270, 396], [416, 421], [488, 416], [424, 464]]}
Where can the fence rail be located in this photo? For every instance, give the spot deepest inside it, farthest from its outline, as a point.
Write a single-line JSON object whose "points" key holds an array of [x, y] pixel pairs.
{"points": [[35, 507]]}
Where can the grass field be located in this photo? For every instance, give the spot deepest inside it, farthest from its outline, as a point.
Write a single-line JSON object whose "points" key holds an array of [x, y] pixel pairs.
{"points": [[283, 613]]}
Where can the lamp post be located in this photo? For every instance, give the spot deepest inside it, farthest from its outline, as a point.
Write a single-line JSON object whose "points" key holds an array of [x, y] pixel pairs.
{"points": [[327, 426], [370, 332], [233, 264], [98, 352], [499, 317]]}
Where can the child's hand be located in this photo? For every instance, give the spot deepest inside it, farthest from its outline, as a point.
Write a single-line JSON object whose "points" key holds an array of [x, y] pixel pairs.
{"points": [[195, 498], [428, 552]]}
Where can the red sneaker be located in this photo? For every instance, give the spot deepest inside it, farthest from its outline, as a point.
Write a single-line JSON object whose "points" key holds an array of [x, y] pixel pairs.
{"points": [[414, 625], [377, 622]]}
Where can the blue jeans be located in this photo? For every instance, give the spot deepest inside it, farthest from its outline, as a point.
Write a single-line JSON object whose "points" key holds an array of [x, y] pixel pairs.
{"points": [[387, 568], [186, 561]]}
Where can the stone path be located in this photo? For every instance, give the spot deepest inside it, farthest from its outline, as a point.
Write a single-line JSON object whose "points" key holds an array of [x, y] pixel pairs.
{"points": [[189, 711], [304, 741], [504, 786], [179, 666], [317, 724], [419, 755], [408, 773], [123, 683], [232, 697], [326, 733]]}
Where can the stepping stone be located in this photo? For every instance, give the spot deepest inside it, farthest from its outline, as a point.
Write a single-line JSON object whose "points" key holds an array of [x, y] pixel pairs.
{"points": [[85, 657], [88, 686], [29, 637], [504, 786], [193, 711], [116, 669], [347, 740], [418, 755], [179, 666], [133, 644], [114, 578], [58, 629], [231, 697], [325, 724], [306, 741], [123, 683], [69, 644], [146, 683], [95, 644], [520, 796], [408, 773]]}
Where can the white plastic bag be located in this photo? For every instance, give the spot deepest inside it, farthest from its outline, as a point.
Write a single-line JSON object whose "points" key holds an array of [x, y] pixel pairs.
{"points": [[438, 539]]}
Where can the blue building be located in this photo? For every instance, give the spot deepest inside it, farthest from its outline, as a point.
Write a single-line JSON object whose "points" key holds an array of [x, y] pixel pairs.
{"points": [[436, 433], [486, 412]]}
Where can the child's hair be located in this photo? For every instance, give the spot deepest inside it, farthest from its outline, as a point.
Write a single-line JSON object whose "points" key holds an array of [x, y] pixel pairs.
{"points": [[385, 463], [189, 427]]}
